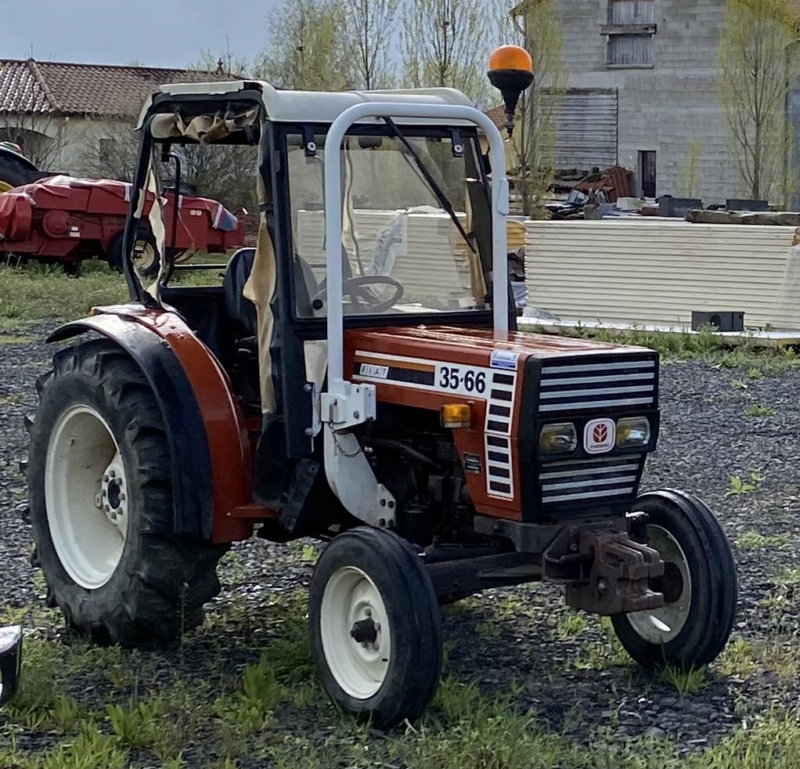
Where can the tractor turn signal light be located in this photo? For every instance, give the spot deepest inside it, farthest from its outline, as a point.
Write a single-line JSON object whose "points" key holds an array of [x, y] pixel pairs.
{"points": [[456, 415]]}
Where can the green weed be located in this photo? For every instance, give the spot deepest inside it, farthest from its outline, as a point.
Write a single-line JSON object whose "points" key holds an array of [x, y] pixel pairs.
{"points": [[738, 486]]}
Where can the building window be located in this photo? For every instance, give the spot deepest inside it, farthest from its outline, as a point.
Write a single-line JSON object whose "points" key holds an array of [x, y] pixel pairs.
{"points": [[105, 150], [629, 32], [647, 173], [630, 51]]}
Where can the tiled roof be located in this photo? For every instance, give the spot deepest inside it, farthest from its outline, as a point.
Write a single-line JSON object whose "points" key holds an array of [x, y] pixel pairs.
{"points": [[497, 115], [78, 89]]}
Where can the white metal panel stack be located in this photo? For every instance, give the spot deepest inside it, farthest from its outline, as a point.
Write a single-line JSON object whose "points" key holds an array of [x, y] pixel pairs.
{"points": [[656, 272], [430, 263]]}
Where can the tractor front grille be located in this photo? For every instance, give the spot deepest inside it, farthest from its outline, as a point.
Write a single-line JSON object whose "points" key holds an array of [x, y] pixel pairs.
{"points": [[613, 384], [576, 482]]}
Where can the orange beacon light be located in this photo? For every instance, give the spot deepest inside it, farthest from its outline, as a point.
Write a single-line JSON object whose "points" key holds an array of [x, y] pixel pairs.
{"points": [[511, 72]]}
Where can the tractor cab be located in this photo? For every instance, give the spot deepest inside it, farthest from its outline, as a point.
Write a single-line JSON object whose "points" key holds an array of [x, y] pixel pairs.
{"points": [[377, 210]]}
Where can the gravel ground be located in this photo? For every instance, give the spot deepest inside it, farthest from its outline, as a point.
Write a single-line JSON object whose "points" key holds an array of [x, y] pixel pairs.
{"points": [[567, 669]]}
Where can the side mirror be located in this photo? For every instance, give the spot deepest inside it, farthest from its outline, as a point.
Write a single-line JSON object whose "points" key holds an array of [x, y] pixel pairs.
{"points": [[10, 662], [511, 72]]}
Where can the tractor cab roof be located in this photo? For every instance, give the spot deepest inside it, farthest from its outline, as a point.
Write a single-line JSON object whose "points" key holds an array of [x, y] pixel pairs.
{"points": [[286, 106]]}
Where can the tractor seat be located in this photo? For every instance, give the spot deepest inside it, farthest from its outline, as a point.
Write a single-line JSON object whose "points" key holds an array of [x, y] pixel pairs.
{"points": [[240, 309]]}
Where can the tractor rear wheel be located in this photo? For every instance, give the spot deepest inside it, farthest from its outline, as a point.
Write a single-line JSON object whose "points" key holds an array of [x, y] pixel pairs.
{"points": [[13, 172], [699, 585], [100, 495], [375, 627]]}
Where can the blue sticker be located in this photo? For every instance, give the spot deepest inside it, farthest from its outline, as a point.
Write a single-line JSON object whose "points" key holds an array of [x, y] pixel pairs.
{"points": [[504, 359]]}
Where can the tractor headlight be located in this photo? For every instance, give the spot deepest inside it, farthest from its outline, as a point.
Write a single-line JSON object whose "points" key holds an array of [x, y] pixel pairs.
{"points": [[558, 438], [633, 431]]}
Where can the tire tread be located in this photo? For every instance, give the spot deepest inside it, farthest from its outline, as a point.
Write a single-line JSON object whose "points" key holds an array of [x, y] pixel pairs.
{"points": [[175, 575]]}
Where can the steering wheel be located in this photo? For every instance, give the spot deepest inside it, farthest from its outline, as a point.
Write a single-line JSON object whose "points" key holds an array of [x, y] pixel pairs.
{"points": [[364, 301]]}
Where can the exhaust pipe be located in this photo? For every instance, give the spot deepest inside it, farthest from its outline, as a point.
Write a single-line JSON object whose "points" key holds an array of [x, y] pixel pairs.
{"points": [[10, 662]]}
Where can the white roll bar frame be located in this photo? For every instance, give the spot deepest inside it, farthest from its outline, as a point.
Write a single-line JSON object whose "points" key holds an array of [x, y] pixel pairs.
{"points": [[333, 215]]}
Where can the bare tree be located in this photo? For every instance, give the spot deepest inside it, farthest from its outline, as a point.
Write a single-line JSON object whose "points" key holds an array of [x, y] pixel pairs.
{"points": [[690, 174], [757, 70], [535, 26], [222, 173], [368, 29], [110, 152], [445, 43], [41, 136], [308, 49], [223, 64]]}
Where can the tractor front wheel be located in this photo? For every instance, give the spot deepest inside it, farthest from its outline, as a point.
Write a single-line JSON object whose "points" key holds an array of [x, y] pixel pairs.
{"points": [[99, 488], [375, 627], [699, 585]]}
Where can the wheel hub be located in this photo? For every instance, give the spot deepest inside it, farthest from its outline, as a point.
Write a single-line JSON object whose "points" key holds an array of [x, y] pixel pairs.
{"points": [[113, 497], [670, 585], [365, 631]]}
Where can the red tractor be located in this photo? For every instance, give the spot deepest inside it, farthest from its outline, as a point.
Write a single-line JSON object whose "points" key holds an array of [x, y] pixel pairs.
{"points": [[358, 378], [55, 217]]}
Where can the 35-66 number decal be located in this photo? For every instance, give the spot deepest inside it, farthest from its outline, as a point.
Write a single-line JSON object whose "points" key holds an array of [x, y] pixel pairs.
{"points": [[461, 379]]}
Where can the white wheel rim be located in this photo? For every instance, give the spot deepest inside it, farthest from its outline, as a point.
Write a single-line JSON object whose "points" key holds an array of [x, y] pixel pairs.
{"points": [[351, 597], [144, 255], [86, 495], [650, 625]]}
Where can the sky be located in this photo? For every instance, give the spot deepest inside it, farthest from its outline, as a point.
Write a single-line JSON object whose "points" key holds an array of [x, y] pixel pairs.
{"points": [[157, 33]]}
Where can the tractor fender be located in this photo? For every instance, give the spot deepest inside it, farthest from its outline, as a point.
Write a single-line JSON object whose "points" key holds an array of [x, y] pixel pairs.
{"points": [[209, 450]]}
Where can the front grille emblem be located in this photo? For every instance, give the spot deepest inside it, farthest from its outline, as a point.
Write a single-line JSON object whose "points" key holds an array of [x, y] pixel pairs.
{"points": [[599, 436]]}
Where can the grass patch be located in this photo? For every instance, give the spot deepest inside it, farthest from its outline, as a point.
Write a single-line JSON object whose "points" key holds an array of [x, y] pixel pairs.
{"points": [[15, 339], [744, 659], [37, 292], [684, 681], [752, 540], [758, 411], [756, 361], [34, 293], [91, 707]]}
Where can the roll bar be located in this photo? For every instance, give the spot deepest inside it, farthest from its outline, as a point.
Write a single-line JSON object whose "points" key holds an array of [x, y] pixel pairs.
{"points": [[333, 214]]}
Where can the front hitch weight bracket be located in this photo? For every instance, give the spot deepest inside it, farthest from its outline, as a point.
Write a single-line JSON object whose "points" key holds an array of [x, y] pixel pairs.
{"points": [[619, 577]]}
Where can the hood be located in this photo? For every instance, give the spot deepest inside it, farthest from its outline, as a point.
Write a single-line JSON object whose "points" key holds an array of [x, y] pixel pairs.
{"points": [[438, 341]]}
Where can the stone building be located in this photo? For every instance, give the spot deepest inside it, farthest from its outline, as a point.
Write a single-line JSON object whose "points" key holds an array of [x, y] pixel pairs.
{"points": [[643, 93]]}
